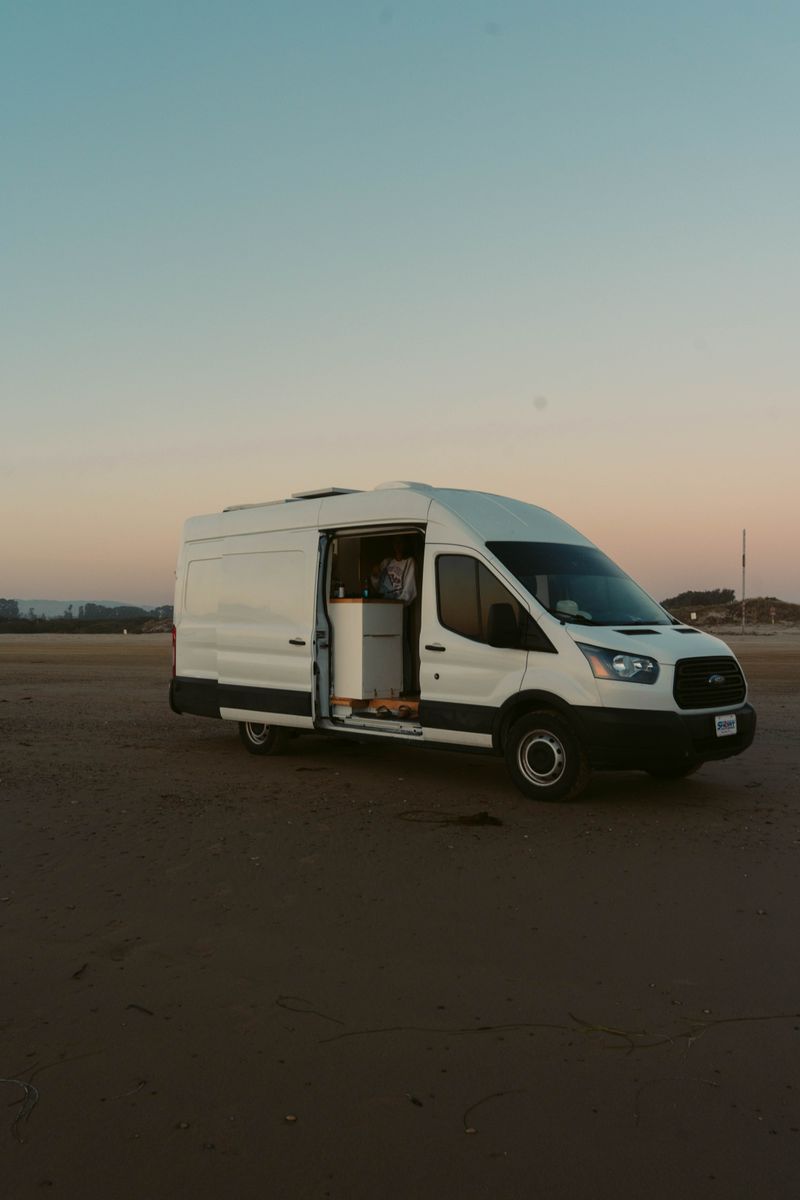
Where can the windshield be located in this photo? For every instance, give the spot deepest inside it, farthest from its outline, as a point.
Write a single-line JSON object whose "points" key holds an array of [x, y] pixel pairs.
{"points": [[578, 584]]}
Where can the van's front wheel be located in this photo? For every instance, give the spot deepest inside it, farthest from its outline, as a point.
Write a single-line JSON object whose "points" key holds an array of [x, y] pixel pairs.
{"points": [[263, 739], [545, 758]]}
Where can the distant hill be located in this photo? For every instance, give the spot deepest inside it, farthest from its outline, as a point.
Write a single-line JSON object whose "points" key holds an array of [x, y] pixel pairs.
{"points": [[50, 609], [759, 610], [82, 617], [700, 599]]}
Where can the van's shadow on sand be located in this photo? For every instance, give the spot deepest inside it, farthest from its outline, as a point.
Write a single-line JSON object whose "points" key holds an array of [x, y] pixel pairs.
{"points": [[428, 773]]}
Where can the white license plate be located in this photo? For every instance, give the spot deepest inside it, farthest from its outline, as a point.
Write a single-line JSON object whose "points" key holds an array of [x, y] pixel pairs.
{"points": [[725, 725]]}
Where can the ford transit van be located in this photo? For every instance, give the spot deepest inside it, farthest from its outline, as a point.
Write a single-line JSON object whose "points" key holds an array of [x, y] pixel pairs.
{"points": [[522, 638]]}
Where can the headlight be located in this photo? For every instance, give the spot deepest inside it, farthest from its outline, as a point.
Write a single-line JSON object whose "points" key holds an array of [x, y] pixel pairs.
{"points": [[630, 668]]}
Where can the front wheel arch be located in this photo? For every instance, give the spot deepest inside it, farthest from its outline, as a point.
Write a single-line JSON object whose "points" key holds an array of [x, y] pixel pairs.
{"points": [[522, 703]]}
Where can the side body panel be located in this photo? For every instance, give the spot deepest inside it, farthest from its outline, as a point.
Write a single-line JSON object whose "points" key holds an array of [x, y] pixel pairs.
{"points": [[265, 630], [196, 605], [463, 682], [244, 615]]}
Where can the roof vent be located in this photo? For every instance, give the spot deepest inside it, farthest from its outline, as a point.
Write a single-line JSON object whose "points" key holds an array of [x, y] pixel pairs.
{"points": [[258, 504], [318, 493], [402, 483]]}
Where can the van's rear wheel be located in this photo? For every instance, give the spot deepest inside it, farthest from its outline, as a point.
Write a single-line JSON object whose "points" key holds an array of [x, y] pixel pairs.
{"points": [[263, 739], [545, 757]]}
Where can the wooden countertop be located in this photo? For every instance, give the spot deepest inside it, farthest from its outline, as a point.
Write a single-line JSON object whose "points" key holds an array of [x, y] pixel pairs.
{"points": [[362, 600]]}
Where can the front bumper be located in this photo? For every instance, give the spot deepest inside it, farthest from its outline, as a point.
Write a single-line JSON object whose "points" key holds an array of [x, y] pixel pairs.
{"points": [[622, 738]]}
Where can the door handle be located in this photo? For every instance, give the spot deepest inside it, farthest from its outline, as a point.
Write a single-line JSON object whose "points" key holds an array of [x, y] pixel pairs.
{"points": [[296, 642], [436, 646]]}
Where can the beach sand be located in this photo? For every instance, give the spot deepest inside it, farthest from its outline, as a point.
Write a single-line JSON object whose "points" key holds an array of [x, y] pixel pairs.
{"points": [[304, 977]]}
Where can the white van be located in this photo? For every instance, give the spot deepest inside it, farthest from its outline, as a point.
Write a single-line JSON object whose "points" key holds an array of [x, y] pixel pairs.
{"points": [[523, 638]]}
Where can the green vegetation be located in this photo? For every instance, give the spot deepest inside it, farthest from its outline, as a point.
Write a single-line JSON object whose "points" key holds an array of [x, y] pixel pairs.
{"points": [[701, 599], [759, 610], [91, 618]]}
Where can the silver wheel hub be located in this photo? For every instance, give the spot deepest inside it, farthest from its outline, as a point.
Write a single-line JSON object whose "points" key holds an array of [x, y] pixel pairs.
{"points": [[541, 758], [257, 733]]}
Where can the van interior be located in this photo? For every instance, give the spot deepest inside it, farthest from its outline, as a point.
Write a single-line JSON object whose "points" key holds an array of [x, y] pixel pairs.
{"points": [[382, 647]]}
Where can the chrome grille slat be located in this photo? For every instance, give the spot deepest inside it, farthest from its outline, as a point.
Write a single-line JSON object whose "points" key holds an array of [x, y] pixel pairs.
{"points": [[692, 689]]}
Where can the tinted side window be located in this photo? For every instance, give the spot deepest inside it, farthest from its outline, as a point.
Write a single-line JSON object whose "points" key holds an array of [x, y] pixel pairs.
{"points": [[465, 590], [457, 592], [202, 588]]}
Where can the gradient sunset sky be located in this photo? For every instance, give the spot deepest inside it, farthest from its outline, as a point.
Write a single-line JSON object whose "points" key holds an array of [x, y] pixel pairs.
{"points": [[548, 250]]}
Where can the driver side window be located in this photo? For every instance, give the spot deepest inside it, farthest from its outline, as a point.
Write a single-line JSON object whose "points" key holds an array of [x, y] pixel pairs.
{"points": [[465, 589]]}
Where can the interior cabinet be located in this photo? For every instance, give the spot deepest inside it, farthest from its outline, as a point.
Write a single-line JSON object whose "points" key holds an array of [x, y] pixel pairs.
{"points": [[367, 648]]}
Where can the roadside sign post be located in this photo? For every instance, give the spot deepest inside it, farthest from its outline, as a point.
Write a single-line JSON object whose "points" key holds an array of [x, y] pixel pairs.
{"points": [[744, 537]]}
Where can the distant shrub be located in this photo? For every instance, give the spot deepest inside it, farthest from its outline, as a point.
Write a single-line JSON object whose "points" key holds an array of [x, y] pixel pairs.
{"points": [[701, 599], [75, 625], [759, 610]]}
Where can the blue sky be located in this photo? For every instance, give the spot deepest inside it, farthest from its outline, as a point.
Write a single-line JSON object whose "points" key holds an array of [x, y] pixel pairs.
{"points": [[549, 250]]}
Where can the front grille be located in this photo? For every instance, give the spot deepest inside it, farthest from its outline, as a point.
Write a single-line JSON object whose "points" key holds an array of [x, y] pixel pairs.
{"points": [[693, 690]]}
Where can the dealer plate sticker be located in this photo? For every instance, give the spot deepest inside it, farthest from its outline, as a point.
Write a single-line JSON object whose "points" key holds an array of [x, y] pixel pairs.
{"points": [[725, 726]]}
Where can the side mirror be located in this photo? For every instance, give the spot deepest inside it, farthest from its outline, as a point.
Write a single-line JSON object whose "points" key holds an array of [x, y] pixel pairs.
{"points": [[501, 627]]}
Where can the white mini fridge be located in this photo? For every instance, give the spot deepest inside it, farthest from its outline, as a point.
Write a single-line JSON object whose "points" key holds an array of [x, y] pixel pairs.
{"points": [[367, 648]]}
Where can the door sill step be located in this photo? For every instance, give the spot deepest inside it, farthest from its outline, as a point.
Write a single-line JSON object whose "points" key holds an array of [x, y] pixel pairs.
{"points": [[390, 707]]}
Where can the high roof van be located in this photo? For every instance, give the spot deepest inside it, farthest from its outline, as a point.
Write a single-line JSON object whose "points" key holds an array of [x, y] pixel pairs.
{"points": [[509, 633]]}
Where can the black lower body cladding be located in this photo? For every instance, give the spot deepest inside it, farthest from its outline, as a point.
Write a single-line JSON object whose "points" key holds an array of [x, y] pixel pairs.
{"points": [[625, 738], [205, 697], [612, 738]]}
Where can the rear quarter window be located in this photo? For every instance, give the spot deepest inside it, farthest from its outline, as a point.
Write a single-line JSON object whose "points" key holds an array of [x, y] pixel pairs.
{"points": [[201, 594]]}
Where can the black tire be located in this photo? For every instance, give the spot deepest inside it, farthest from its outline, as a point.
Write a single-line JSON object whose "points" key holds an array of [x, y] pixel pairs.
{"points": [[263, 739], [545, 758], [676, 772]]}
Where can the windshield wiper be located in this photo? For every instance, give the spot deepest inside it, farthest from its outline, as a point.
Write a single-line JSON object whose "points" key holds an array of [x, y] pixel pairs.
{"points": [[572, 618]]}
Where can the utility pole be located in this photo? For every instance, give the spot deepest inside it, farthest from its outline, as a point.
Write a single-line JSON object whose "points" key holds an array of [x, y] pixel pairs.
{"points": [[744, 559]]}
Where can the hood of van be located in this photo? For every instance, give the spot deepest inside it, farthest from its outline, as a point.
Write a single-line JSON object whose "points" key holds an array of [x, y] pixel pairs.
{"points": [[665, 643]]}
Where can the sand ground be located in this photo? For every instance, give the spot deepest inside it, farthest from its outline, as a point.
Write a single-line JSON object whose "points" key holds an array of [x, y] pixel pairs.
{"points": [[593, 1000]]}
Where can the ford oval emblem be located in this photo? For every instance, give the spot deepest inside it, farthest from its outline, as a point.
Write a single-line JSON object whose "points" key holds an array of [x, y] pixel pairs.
{"points": [[716, 680]]}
